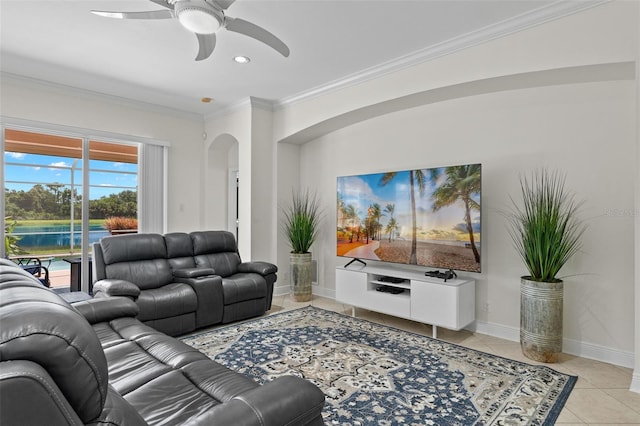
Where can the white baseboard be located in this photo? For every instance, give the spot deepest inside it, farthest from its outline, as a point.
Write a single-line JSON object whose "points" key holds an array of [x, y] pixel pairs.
{"points": [[495, 330], [280, 290], [324, 292], [569, 346], [318, 291], [598, 352], [635, 382]]}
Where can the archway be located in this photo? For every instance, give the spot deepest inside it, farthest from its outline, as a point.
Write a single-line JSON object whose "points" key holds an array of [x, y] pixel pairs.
{"points": [[220, 185]]}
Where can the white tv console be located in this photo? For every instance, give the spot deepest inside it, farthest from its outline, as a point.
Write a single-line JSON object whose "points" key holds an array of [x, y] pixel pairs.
{"points": [[425, 299]]}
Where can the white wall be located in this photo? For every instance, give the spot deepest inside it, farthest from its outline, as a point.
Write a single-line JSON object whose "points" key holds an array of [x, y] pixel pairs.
{"points": [[288, 171], [250, 125], [635, 382], [221, 158], [263, 186], [30, 100], [237, 126], [584, 129]]}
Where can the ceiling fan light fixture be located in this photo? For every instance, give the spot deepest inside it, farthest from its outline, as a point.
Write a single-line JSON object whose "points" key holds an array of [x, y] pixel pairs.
{"points": [[242, 59], [198, 19]]}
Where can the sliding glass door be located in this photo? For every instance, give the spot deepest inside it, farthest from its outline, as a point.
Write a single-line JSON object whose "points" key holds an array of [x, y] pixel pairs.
{"points": [[62, 194]]}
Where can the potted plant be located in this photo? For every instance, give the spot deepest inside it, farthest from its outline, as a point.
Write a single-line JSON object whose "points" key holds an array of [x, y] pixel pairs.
{"points": [[546, 233], [301, 220], [117, 225], [11, 241]]}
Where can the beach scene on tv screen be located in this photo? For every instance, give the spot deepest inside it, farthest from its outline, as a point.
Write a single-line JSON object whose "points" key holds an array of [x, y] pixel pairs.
{"points": [[427, 217]]}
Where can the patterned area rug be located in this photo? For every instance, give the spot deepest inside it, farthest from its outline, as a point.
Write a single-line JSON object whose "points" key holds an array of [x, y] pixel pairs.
{"points": [[374, 374]]}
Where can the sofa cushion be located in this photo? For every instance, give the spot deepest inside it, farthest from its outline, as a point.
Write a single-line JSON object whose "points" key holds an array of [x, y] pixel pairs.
{"points": [[146, 274], [241, 287], [132, 247], [217, 250], [224, 264], [167, 381], [213, 242], [168, 301], [179, 250]]}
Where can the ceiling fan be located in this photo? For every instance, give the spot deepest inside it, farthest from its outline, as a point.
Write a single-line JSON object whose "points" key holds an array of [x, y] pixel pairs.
{"points": [[203, 18]]}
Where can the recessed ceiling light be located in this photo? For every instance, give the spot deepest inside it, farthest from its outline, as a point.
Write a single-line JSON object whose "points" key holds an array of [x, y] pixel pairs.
{"points": [[242, 59], [206, 100]]}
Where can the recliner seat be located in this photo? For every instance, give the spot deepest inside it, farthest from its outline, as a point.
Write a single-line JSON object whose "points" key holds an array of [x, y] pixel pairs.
{"points": [[183, 281], [247, 287]]}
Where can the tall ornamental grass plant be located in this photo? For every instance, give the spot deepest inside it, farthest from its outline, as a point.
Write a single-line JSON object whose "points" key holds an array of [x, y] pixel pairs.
{"points": [[545, 230], [301, 220]]}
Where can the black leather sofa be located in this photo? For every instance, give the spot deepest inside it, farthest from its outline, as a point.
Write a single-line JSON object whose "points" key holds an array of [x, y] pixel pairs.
{"points": [[183, 281], [93, 363]]}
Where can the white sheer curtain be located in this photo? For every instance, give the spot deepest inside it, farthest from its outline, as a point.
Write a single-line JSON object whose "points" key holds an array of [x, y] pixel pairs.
{"points": [[152, 188]]}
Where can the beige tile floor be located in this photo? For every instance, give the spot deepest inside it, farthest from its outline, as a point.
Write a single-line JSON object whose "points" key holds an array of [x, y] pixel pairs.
{"points": [[601, 395]]}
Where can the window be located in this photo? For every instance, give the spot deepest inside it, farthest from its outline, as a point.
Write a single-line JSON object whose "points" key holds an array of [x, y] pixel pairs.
{"points": [[61, 191]]}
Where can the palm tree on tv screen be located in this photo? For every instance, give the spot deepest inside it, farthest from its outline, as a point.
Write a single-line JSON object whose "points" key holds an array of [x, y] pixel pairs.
{"points": [[376, 215], [351, 214], [392, 225], [415, 177], [462, 182]]}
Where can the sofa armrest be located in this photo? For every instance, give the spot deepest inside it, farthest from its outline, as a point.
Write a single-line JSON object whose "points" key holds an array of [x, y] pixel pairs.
{"points": [[262, 268], [30, 396], [193, 272], [107, 309], [208, 289], [113, 287], [287, 400]]}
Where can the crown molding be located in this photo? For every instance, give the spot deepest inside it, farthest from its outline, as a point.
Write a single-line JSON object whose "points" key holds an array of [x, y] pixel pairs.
{"points": [[96, 96], [249, 102], [553, 11], [229, 109], [264, 104]]}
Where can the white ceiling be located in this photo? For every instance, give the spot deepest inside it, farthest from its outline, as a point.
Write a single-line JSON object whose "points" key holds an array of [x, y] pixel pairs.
{"points": [[332, 43]]}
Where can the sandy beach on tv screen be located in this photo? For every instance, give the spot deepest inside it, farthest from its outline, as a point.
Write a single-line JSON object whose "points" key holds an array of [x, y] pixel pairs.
{"points": [[445, 256]]}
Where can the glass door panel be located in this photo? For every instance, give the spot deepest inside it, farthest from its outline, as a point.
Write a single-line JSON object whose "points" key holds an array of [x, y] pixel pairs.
{"points": [[43, 199], [113, 191], [43, 187]]}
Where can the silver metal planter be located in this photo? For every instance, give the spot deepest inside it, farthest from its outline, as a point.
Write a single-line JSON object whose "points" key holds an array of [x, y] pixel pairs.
{"points": [[300, 272], [541, 307]]}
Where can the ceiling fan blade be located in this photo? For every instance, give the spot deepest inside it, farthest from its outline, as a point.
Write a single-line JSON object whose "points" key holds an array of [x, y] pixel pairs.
{"points": [[153, 14], [223, 4], [252, 30], [163, 3], [206, 44]]}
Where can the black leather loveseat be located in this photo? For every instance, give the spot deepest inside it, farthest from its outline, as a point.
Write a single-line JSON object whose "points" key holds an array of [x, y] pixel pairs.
{"points": [[183, 281], [93, 363]]}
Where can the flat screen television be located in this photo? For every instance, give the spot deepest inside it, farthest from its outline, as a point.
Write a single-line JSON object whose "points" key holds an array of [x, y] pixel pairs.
{"points": [[426, 217]]}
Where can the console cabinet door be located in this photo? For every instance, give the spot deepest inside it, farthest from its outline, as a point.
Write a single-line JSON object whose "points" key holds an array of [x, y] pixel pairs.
{"points": [[449, 306], [434, 304], [351, 286]]}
